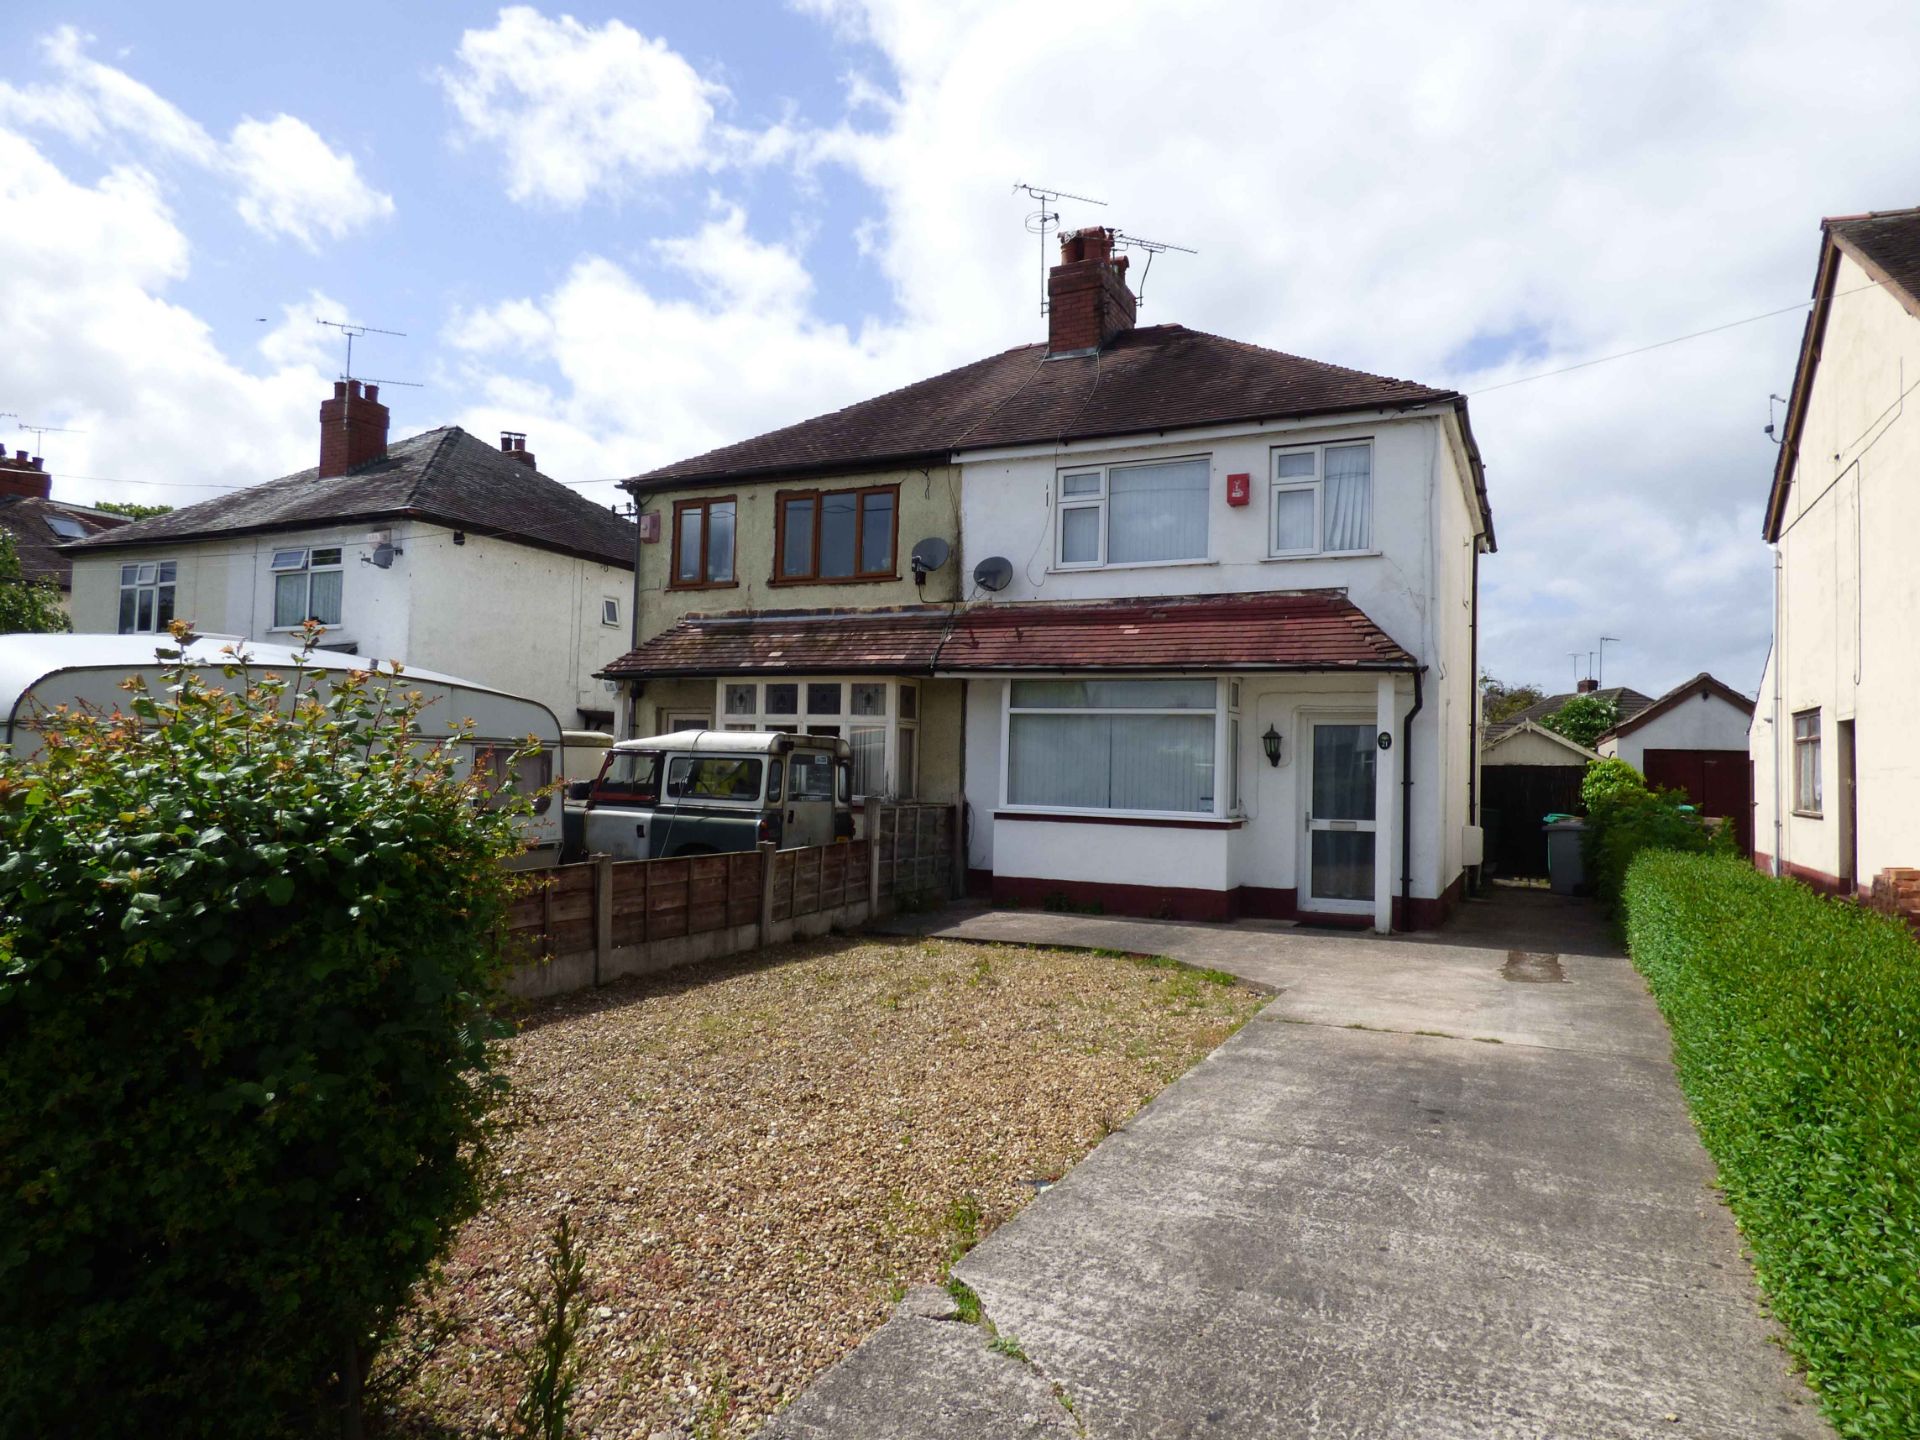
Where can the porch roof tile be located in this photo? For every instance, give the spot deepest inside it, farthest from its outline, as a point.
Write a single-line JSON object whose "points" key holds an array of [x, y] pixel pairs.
{"points": [[1308, 630]]}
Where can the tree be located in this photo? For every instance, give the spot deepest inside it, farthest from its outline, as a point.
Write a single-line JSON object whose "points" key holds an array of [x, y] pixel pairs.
{"points": [[1583, 719], [27, 607], [1502, 701], [133, 510], [249, 944]]}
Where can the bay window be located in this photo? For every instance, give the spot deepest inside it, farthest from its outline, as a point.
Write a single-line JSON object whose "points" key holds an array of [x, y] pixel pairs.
{"points": [[146, 596], [1112, 744], [307, 586], [879, 720], [1320, 500], [1143, 514]]}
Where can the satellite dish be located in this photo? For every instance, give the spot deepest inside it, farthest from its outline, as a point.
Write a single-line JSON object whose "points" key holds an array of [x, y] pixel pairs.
{"points": [[929, 554], [993, 573]]}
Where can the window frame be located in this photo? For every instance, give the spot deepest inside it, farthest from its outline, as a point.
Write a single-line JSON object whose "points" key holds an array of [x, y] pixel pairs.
{"points": [[705, 504], [306, 569], [153, 585], [840, 722], [782, 498], [1805, 745], [1101, 501], [1218, 713], [609, 610], [1276, 485]]}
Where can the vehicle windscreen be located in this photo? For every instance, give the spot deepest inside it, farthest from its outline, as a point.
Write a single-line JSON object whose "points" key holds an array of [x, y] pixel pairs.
{"points": [[810, 775], [632, 777], [713, 777]]}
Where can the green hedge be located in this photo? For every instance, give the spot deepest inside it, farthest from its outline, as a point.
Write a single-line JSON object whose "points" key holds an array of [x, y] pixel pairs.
{"points": [[1625, 817], [1796, 1031]]}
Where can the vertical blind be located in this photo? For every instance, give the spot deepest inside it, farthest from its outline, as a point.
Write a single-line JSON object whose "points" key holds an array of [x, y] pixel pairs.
{"points": [[1157, 512], [1068, 747]]}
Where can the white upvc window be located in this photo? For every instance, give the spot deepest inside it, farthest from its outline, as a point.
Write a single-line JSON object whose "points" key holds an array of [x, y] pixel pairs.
{"points": [[1113, 745], [1320, 500], [146, 596], [879, 718], [307, 585], [1151, 512]]}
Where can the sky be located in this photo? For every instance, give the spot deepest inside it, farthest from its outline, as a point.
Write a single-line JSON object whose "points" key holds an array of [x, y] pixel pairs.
{"points": [[636, 232]]}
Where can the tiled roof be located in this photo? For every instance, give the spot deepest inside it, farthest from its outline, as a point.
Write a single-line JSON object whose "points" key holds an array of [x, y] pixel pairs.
{"points": [[26, 517], [1162, 377], [1886, 244], [446, 476], [1626, 704], [1295, 630]]}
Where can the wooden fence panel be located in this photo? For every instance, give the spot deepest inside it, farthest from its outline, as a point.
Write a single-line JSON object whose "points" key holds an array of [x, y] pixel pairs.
{"points": [[631, 881], [667, 903]]}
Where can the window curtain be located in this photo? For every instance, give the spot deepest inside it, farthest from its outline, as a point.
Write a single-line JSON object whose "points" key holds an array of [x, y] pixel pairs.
{"points": [[1292, 521], [326, 596], [1157, 512], [289, 600], [869, 745], [1349, 477]]}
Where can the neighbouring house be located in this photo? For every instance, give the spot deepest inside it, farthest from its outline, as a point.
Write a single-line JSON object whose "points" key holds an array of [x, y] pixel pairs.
{"points": [[439, 551], [1626, 703], [1693, 738], [1194, 632], [1836, 782], [1527, 772], [40, 525]]}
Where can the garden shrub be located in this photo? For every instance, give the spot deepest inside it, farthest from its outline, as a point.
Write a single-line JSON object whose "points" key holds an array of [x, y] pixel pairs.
{"points": [[1796, 1031], [1624, 817], [247, 947]]}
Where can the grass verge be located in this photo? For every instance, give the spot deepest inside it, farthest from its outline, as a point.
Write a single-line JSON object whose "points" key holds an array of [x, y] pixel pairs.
{"points": [[1796, 1029]]}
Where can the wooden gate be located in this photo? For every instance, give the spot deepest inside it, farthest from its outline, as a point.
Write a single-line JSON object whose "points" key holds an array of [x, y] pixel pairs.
{"points": [[1719, 782], [1513, 800]]}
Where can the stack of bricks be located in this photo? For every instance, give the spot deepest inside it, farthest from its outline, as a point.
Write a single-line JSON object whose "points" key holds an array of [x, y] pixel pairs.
{"points": [[1896, 892]]}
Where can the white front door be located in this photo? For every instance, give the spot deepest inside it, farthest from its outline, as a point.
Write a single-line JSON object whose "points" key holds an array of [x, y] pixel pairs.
{"points": [[1337, 861]]}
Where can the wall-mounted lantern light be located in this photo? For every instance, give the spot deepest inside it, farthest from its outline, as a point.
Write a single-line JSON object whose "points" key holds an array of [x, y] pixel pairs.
{"points": [[1270, 742]]}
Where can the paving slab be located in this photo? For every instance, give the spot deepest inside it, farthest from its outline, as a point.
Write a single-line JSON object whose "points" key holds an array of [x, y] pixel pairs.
{"points": [[1440, 1187]]}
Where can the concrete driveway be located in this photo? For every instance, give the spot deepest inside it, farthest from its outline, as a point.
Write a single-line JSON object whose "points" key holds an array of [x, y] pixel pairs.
{"points": [[1440, 1187]]}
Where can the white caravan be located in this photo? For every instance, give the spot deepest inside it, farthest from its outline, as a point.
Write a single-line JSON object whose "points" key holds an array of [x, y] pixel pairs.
{"points": [[39, 673]]}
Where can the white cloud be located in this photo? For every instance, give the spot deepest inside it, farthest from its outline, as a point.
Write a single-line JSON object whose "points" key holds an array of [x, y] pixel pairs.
{"points": [[1364, 186], [576, 109], [288, 181], [292, 183]]}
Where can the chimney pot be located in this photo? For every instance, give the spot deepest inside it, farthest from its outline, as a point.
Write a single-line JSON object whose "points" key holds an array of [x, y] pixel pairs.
{"points": [[21, 456], [339, 389], [373, 392]]}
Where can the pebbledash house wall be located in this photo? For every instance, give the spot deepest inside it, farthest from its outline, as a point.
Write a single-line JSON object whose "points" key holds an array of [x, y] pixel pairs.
{"points": [[1417, 585], [514, 617], [1849, 592], [929, 506]]}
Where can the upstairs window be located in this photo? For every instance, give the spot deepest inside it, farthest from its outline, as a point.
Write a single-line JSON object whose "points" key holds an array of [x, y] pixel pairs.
{"points": [[1321, 500], [1150, 514], [827, 536], [307, 586], [703, 543], [1806, 763], [146, 597]]}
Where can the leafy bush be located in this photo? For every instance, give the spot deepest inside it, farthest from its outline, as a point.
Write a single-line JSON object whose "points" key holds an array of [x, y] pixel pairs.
{"points": [[1794, 1022], [1624, 817], [1583, 719], [247, 942], [1607, 778], [26, 606]]}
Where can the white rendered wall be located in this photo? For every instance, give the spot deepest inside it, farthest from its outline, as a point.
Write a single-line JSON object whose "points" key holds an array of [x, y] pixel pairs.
{"points": [[1692, 724], [1850, 591]]}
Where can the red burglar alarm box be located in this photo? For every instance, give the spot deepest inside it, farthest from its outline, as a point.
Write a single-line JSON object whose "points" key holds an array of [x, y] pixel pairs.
{"points": [[650, 527], [1239, 489]]}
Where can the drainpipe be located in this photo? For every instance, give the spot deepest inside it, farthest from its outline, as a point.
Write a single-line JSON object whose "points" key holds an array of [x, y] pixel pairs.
{"points": [[1779, 690], [635, 687], [1473, 708], [1406, 804]]}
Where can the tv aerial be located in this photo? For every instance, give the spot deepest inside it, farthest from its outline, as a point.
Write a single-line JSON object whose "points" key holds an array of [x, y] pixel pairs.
{"points": [[1123, 241], [1046, 219], [929, 555], [352, 330], [39, 432], [993, 574]]}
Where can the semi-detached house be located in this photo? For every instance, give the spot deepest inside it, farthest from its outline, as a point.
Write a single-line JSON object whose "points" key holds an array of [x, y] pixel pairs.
{"points": [[1203, 643]]}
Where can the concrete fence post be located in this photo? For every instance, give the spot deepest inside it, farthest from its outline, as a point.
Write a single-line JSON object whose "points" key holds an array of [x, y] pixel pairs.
{"points": [[957, 880], [767, 852], [602, 914], [876, 822]]}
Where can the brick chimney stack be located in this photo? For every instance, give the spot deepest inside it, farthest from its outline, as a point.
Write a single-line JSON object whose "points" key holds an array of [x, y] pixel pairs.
{"points": [[353, 428], [21, 475], [514, 443], [1587, 686], [1088, 302]]}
